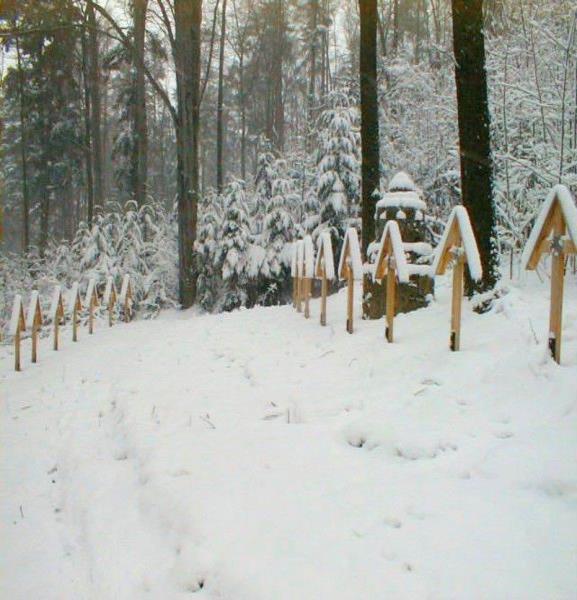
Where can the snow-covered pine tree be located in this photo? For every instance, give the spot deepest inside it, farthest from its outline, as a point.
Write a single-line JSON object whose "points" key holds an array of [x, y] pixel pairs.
{"points": [[207, 243], [233, 254], [277, 236], [265, 175], [338, 181]]}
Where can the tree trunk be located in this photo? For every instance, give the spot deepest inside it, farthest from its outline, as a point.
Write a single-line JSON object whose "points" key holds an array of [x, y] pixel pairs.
{"points": [[314, 8], [140, 152], [219, 108], [188, 18], [95, 107], [474, 133], [369, 133], [278, 101], [88, 145], [23, 156]]}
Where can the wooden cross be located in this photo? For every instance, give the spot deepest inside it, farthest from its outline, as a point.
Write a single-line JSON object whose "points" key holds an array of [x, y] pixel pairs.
{"points": [[125, 298], [91, 300], [392, 264], [57, 313], [75, 307], [324, 269], [109, 299], [350, 268], [34, 322], [300, 259], [308, 272], [457, 245], [554, 233], [16, 327], [294, 273]]}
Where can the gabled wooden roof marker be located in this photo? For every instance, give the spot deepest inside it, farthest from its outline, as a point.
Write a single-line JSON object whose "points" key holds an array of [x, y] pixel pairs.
{"points": [[351, 269], [392, 264], [554, 233], [324, 269], [56, 313], [91, 300], [15, 328], [458, 244], [34, 322]]}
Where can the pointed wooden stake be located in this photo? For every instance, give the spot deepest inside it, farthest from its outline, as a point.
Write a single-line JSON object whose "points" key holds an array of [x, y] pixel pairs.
{"points": [[324, 286], [350, 299], [456, 302]]}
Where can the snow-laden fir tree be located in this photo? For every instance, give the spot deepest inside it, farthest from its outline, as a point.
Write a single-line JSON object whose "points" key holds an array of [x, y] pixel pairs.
{"points": [[209, 231], [338, 182], [278, 234], [265, 175], [233, 254]]}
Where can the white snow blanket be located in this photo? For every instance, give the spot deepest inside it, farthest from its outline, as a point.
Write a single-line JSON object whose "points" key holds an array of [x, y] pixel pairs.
{"points": [[325, 253], [255, 455]]}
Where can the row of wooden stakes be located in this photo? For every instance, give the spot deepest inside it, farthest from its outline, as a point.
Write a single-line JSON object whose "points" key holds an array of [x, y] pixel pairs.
{"points": [[554, 233], [35, 318]]}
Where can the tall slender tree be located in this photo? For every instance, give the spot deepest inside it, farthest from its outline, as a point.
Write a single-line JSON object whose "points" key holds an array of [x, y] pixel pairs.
{"points": [[474, 133]]}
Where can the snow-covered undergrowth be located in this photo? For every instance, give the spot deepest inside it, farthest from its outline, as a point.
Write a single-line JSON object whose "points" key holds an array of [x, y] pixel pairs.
{"points": [[256, 455]]}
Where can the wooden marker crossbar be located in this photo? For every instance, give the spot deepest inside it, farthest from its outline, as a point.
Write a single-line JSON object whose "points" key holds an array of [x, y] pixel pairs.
{"points": [[392, 264], [57, 314], [16, 327], [75, 306], [91, 300], [109, 299], [350, 268], [457, 245], [324, 270], [125, 298], [34, 322], [554, 233]]}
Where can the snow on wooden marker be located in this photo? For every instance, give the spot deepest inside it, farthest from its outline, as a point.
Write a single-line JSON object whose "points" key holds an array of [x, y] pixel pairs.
{"points": [[17, 322], [555, 233], [458, 233], [309, 257], [325, 258], [124, 289], [351, 256], [33, 309], [108, 291], [559, 197], [56, 306], [294, 259], [74, 303], [391, 246], [90, 292]]}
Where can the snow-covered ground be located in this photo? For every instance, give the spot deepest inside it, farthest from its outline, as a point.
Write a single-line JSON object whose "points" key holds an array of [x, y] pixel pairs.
{"points": [[257, 455]]}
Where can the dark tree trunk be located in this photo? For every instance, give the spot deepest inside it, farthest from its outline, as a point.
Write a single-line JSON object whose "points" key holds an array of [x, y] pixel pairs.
{"points": [[369, 134], [219, 107], [314, 10], [95, 107], [188, 18], [474, 132], [88, 145], [278, 96], [140, 153], [23, 156], [369, 118]]}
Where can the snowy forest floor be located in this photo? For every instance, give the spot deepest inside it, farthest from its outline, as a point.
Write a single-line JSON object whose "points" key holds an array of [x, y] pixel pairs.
{"points": [[256, 455]]}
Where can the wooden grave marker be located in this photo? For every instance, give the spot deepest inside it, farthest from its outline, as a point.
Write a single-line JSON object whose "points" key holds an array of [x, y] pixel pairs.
{"points": [[34, 322], [309, 272], [15, 328], [57, 313], [294, 273], [351, 269], [554, 233], [91, 300], [324, 269], [458, 245], [392, 264], [109, 299], [125, 298], [74, 306], [300, 257]]}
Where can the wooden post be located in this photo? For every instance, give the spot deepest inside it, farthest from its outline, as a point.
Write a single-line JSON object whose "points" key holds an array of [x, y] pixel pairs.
{"points": [[390, 299], [17, 350], [307, 281], [299, 294], [17, 325], [324, 287], [295, 283], [458, 271], [56, 325], [557, 279], [75, 323], [350, 298], [34, 322], [35, 329]]}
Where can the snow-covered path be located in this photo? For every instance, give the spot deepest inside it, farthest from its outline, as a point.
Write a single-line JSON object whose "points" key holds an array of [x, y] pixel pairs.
{"points": [[256, 455]]}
